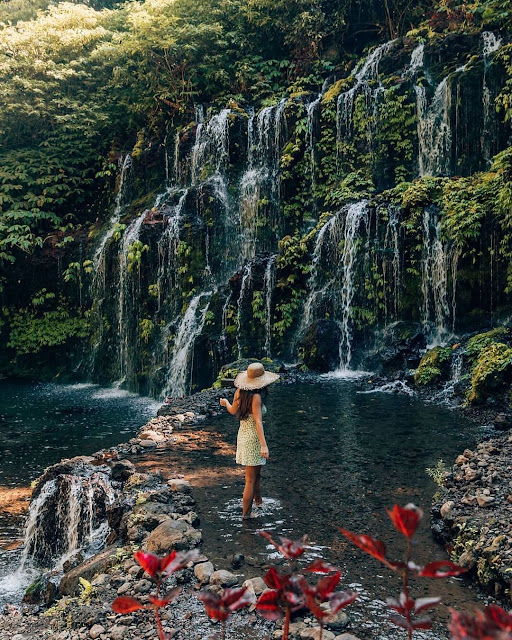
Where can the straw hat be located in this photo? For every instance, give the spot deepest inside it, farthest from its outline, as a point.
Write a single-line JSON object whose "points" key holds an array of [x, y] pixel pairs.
{"points": [[255, 377]]}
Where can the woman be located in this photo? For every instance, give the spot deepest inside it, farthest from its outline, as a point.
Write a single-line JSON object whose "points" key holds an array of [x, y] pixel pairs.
{"points": [[251, 446]]}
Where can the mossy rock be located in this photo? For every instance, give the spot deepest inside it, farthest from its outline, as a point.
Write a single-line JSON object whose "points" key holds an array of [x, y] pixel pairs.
{"points": [[477, 343], [491, 373], [434, 366]]}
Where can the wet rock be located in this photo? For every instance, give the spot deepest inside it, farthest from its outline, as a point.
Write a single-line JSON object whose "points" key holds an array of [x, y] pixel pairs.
{"points": [[172, 535], [237, 560], [179, 485], [319, 347], [203, 571], [69, 585], [223, 578], [502, 422], [446, 509], [122, 470], [96, 631]]}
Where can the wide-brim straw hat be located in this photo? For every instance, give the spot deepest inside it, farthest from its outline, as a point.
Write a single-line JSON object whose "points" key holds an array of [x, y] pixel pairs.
{"points": [[255, 377]]}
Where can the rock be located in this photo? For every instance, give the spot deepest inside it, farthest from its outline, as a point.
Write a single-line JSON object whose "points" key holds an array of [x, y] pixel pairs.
{"points": [[69, 585], [203, 571], [180, 486], [446, 509], [337, 621], [124, 588], [315, 633], [100, 580], [172, 535], [148, 444], [118, 632], [96, 631], [502, 422], [237, 560], [255, 585], [122, 470], [223, 578], [142, 586], [467, 559], [346, 636], [484, 501], [152, 435]]}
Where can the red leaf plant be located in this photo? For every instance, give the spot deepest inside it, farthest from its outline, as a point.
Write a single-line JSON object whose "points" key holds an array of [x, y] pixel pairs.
{"points": [[158, 568], [289, 592], [220, 607], [492, 624], [406, 609]]}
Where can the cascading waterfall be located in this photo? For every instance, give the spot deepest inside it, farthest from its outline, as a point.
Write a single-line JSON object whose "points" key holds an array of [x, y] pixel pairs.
{"points": [[268, 284], [311, 110], [244, 286], [491, 43], [355, 214], [191, 325], [345, 104], [392, 247], [68, 515], [212, 145]]}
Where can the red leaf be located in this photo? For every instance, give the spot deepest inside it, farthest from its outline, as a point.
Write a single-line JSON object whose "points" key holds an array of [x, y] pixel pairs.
{"points": [[499, 617], [149, 562], [125, 604], [290, 549], [164, 601], [268, 606], [213, 606], [440, 569], [400, 621], [405, 519], [319, 566], [422, 623], [234, 599], [369, 545], [341, 599], [276, 580], [314, 607], [326, 585], [421, 604], [176, 561]]}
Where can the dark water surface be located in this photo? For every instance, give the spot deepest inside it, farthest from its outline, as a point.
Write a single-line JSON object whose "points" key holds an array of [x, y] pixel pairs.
{"points": [[39, 425], [337, 458]]}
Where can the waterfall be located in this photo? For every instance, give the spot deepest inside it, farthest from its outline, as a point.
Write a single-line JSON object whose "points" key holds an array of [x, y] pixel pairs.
{"points": [[490, 44], [369, 70], [355, 214], [68, 515], [224, 335], [392, 246], [191, 325], [268, 284], [244, 285], [211, 148], [434, 129], [311, 109]]}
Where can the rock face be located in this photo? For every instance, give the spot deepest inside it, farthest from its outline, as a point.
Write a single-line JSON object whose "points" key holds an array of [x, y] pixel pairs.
{"points": [[319, 347], [70, 583], [474, 515]]}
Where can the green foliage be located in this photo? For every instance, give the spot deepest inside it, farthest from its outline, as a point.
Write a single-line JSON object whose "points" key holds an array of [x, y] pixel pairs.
{"points": [[147, 328], [30, 332], [437, 472], [135, 253], [433, 366], [492, 371]]}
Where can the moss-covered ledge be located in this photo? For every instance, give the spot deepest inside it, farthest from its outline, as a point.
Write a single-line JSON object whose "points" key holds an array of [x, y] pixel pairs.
{"points": [[473, 516]]}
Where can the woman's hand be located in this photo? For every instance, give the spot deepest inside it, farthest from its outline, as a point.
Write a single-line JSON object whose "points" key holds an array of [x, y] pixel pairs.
{"points": [[264, 451], [223, 402]]}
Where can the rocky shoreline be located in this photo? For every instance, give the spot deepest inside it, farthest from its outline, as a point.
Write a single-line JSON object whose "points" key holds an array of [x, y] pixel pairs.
{"points": [[153, 510]]}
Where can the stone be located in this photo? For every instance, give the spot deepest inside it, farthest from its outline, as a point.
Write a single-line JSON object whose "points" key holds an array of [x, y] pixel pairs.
{"points": [[148, 444], [460, 460], [346, 636], [70, 583], [96, 631], [467, 559], [446, 509], [315, 633], [100, 580], [223, 578], [172, 535], [142, 586], [180, 486], [237, 560], [124, 588], [118, 632], [337, 621], [203, 571], [152, 435], [255, 585], [122, 469], [484, 501]]}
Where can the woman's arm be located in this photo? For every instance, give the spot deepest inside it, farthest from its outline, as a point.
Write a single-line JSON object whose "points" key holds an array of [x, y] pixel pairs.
{"points": [[258, 419], [232, 408]]}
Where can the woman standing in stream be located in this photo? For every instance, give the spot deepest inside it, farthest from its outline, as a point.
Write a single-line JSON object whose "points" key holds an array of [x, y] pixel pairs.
{"points": [[251, 446]]}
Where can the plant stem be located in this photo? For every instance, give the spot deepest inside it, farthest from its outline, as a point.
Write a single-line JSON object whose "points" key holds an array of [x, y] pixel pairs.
{"points": [[286, 626], [223, 630], [406, 589], [159, 625]]}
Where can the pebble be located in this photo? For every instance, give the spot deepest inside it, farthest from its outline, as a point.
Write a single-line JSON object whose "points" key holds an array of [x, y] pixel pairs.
{"points": [[96, 631], [223, 578], [203, 571], [118, 632], [315, 633], [124, 588]]}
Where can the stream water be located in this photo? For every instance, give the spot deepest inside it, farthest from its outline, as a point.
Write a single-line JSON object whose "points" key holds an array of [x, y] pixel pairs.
{"points": [[338, 457], [39, 425]]}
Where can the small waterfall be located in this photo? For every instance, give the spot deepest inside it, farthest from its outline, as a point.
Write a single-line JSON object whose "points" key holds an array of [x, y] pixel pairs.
{"points": [[392, 247], [311, 109], [68, 515], [355, 214], [490, 44], [417, 61], [211, 148], [345, 104], [244, 286], [224, 335], [269, 283], [439, 262], [434, 129], [191, 325]]}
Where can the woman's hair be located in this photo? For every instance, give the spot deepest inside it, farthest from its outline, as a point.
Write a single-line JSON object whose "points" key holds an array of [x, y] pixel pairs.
{"points": [[245, 402]]}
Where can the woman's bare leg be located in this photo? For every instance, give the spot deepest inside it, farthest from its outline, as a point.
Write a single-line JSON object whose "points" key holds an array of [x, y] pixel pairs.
{"points": [[251, 473], [257, 489]]}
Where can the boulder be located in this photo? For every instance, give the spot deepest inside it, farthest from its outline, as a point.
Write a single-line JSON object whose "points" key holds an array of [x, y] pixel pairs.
{"points": [[122, 470], [223, 578], [255, 585], [179, 485], [319, 348], [172, 535], [70, 583], [203, 571], [96, 631]]}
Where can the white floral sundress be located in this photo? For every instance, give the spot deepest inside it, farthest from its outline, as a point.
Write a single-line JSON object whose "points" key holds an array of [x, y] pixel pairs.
{"points": [[248, 448]]}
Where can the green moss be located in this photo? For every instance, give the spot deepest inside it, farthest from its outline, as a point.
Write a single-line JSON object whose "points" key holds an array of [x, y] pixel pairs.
{"points": [[433, 366], [334, 91], [477, 343], [492, 371]]}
